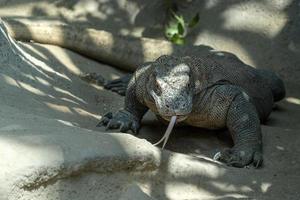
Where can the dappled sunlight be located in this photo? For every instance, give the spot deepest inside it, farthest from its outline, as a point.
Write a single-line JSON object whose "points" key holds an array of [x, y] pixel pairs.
{"points": [[147, 49], [38, 64], [84, 113], [49, 82], [28, 76], [228, 187], [42, 81], [69, 94], [66, 123], [28, 7], [69, 100], [265, 187], [42, 72], [208, 168], [293, 100], [277, 4], [68, 61], [235, 26], [31, 89], [134, 32], [226, 44], [38, 54], [60, 75], [9, 80], [60, 108], [90, 7], [239, 19], [280, 148], [20, 84], [174, 190], [211, 4]]}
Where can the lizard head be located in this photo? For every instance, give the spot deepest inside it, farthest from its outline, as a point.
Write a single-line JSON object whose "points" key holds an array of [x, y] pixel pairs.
{"points": [[171, 87]]}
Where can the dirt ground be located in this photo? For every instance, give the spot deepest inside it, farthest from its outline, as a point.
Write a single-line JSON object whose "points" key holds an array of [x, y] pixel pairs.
{"points": [[264, 34]]}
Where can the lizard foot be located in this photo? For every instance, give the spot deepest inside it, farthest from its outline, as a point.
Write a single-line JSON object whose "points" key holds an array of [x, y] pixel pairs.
{"points": [[240, 157], [93, 78], [122, 120], [118, 85]]}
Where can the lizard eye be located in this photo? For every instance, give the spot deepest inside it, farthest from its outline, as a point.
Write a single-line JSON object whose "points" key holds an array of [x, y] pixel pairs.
{"points": [[157, 88]]}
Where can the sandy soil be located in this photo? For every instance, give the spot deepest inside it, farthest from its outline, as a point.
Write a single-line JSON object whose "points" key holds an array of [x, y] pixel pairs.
{"points": [[34, 97]]}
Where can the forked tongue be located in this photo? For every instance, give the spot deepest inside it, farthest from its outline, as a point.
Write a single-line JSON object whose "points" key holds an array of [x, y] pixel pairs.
{"points": [[167, 133]]}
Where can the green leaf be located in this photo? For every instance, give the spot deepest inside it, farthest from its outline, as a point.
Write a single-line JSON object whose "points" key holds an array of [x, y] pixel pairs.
{"points": [[194, 21], [171, 30], [179, 18], [176, 39], [180, 29]]}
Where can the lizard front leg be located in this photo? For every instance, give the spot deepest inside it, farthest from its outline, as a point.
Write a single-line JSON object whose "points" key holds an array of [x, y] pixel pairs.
{"points": [[244, 126], [128, 118], [118, 85]]}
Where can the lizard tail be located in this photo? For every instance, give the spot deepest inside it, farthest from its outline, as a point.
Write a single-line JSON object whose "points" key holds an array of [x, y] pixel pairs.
{"points": [[276, 84]]}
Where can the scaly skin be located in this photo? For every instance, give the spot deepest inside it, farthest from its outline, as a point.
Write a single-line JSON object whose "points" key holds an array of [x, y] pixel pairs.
{"points": [[225, 93]]}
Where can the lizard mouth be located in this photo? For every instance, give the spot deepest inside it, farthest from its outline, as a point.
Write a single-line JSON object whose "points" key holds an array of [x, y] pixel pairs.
{"points": [[179, 118]]}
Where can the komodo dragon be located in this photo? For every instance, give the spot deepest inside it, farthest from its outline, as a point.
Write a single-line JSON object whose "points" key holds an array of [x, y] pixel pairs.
{"points": [[202, 87], [214, 91]]}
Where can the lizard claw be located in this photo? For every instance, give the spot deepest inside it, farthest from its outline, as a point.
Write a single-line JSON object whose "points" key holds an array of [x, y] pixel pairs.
{"points": [[240, 157], [93, 78], [134, 128], [122, 120], [118, 85], [105, 119]]}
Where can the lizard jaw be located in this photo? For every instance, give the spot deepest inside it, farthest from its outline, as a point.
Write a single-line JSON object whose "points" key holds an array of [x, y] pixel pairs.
{"points": [[179, 118]]}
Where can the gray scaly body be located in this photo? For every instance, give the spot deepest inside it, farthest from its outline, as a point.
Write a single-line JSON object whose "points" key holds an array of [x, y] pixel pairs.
{"points": [[214, 91]]}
